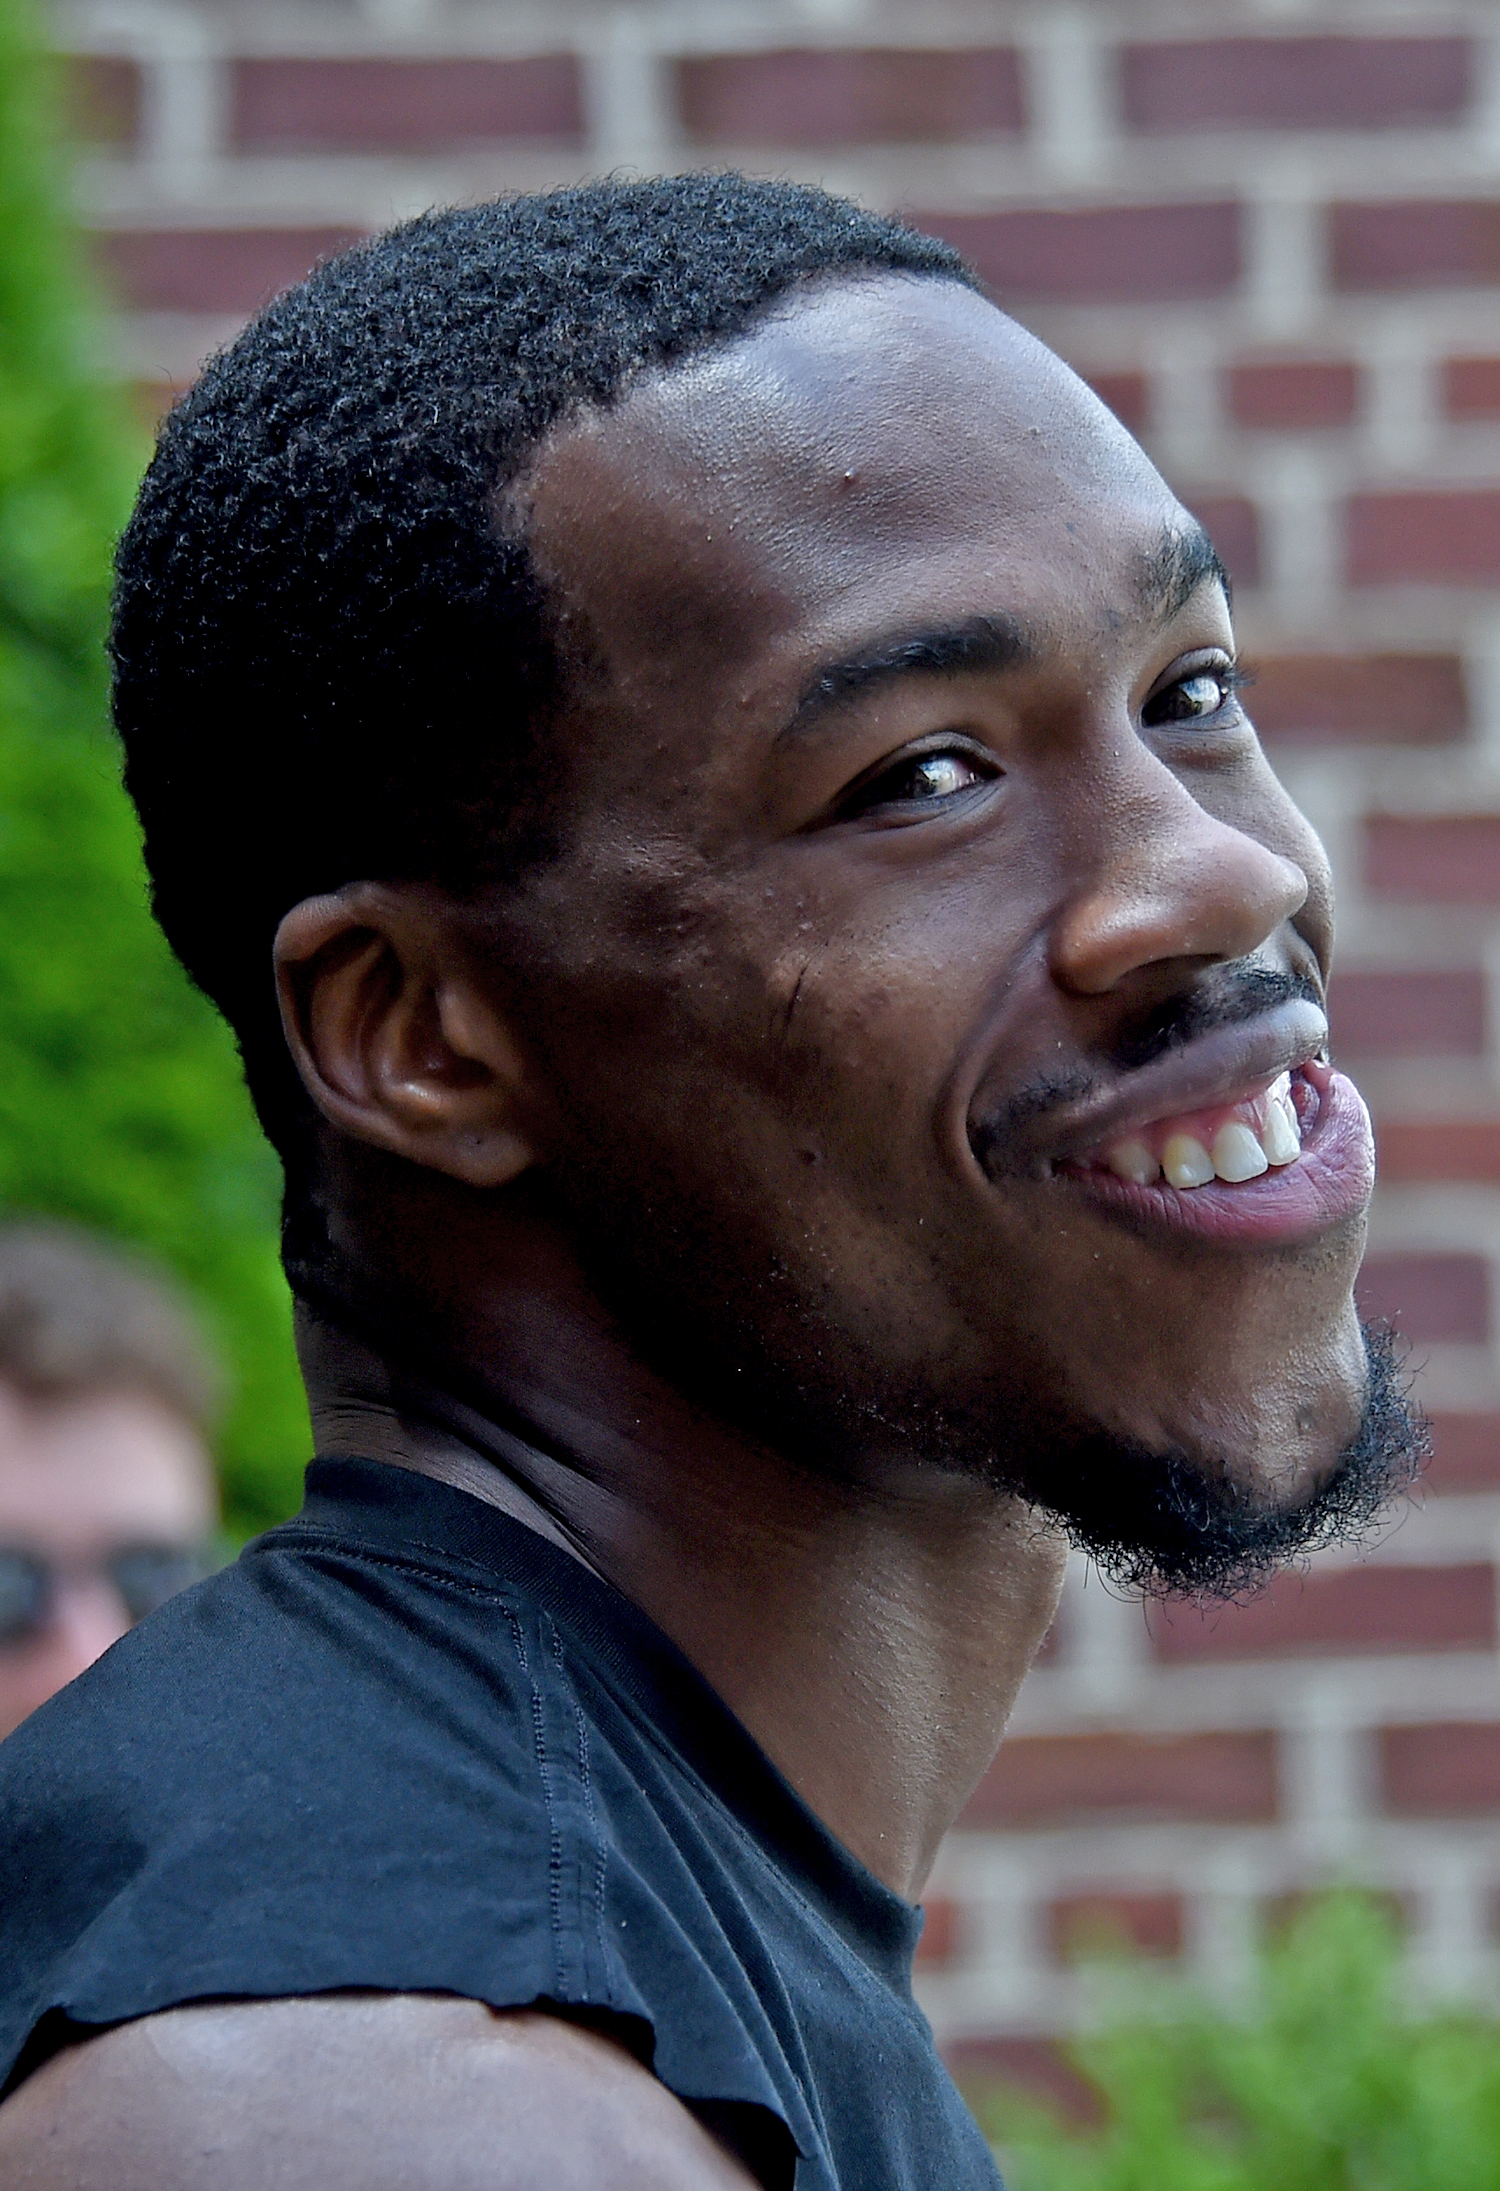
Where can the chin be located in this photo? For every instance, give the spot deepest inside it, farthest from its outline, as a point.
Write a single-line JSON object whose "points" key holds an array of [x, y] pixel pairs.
{"points": [[1216, 1506], [1259, 1364], [1283, 1426]]}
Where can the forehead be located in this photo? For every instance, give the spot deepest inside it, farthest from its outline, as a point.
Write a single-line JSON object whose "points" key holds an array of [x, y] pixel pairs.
{"points": [[874, 448], [96, 1468]]}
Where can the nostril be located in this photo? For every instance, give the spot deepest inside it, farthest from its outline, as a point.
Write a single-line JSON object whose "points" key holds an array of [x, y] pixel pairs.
{"points": [[1207, 893]]}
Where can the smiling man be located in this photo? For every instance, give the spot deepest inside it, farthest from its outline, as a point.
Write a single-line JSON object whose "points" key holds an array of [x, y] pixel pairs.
{"points": [[705, 769]]}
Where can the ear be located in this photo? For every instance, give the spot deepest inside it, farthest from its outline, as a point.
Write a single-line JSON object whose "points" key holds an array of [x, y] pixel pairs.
{"points": [[396, 1038]]}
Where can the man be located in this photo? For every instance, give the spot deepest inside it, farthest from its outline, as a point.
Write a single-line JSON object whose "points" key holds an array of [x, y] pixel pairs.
{"points": [[107, 1499], [800, 1067]]}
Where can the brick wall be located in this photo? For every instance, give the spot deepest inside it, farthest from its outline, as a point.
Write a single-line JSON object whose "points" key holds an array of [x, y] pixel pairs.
{"points": [[1270, 235]]}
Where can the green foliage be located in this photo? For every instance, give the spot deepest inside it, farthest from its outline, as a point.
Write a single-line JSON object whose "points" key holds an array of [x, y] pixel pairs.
{"points": [[120, 1096], [1331, 2084]]}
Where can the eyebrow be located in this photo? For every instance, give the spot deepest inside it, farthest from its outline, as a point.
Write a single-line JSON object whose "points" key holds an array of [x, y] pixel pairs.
{"points": [[1183, 560], [1167, 578], [978, 644]]}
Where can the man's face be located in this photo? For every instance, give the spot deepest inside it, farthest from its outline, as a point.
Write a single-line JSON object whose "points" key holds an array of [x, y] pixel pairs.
{"points": [[923, 887], [106, 1503]]}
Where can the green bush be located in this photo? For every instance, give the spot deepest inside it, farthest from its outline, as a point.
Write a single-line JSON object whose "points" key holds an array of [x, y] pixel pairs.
{"points": [[1330, 2084], [120, 1096]]}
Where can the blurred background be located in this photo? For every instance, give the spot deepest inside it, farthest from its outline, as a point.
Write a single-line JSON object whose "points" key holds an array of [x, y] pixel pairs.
{"points": [[1268, 232]]}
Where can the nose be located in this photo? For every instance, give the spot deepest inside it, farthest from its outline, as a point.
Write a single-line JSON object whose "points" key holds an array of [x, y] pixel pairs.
{"points": [[1168, 881], [85, 1617], [88, 1615]]}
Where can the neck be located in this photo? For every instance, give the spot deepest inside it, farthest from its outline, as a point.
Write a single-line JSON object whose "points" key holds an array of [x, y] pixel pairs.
{"points": [[871, 1637]]}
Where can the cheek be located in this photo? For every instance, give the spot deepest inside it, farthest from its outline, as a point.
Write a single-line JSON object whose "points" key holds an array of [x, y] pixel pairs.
{"points": [[1267, 812], [685, 1007], [1315, 921], [865, 1032], [813, 1068]]}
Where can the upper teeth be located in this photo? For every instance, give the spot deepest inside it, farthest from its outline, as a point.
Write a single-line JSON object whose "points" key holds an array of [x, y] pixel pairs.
{"points": [[1237, 1153], [1281, 1135], [1240, 1149], [1186, 1162]]}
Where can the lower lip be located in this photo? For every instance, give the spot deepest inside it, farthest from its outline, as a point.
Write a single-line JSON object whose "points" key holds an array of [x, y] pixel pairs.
{"points": [[1329, 1184]]}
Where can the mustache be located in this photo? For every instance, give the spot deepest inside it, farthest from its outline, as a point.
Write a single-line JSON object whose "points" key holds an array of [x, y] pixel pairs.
{"points": [[1223, 999]]}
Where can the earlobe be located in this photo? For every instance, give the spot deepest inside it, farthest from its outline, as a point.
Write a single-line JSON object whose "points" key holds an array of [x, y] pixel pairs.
{"points": [[395, 1038]]}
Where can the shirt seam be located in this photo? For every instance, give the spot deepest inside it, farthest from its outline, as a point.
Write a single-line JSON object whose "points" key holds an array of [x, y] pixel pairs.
{"points": [[651, 1734], [544, 1776], [503, 1595]]}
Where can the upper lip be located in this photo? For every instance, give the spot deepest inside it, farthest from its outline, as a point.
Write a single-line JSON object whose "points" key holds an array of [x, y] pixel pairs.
{"points": [[1217, 1067]]}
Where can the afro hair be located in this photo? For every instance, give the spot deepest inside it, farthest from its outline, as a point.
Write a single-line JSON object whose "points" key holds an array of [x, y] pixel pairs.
{"points": [[331, 653]]}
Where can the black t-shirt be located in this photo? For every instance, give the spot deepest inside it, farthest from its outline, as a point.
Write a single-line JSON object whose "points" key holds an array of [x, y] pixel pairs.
{"points": [[405, 1743]]}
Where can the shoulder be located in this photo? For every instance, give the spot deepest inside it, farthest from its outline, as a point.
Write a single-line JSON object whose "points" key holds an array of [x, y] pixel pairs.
{"points": [[326, 1668], [383, 2092]]}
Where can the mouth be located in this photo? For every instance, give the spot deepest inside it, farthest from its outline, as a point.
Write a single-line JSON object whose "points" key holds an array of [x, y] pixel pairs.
{"points": [[1232, 1142], [1245, 1137]]}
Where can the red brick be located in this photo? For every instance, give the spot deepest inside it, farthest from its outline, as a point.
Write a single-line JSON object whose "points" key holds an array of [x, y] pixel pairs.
{"points": [[1429, 1298], [1437, 1014], [1465, 1453], [1045, 1780], [1359, 699], [102, 99], [1443, 1770], [1413, 1150], [1309, 392], [850, 95], [1424, 536], [1445, 859], [1280, 1912], [1082, 1925], [1471, 387], [1294, 83], [152, 399], [941, 1928], [382, 105], [1128, 396], [1233, 524], [1040, 2067], [1418, 243], [1099, 254], [1343, 1612], [213, 269]]}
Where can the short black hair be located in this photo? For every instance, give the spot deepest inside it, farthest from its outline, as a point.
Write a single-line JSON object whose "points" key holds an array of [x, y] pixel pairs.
{"points": [[330, 653]]}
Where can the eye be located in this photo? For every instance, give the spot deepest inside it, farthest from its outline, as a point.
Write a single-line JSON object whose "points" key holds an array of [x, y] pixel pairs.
{"points": [[1191, 699], [920, 779]]}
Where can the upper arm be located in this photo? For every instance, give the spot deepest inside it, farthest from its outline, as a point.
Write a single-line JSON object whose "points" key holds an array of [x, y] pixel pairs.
{"points": [[354, 2092]]}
